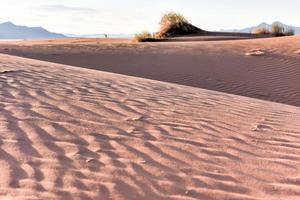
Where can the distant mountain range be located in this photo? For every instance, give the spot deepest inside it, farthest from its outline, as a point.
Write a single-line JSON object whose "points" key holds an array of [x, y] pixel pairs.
{"points": [[262, 25], [8, 30]]}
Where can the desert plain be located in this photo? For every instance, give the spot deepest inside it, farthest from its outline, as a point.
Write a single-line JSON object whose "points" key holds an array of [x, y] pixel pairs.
{"points": [[113, 119]]}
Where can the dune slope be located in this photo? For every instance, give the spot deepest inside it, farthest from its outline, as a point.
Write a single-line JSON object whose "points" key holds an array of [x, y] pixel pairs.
{"points": [[220, 65], [71, 133]]}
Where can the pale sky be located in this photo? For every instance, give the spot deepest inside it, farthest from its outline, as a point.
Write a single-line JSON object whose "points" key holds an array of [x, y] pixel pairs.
{"points": [[130, 16]]}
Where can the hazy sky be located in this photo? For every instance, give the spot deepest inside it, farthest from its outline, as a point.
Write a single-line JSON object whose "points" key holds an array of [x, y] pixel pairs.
{"points": [[130, 16]]}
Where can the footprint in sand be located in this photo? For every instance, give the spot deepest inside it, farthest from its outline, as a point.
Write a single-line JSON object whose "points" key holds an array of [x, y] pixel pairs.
{"points": [[4, 72], [8, 71], [255, 52], [263, 127], [137, 118]]}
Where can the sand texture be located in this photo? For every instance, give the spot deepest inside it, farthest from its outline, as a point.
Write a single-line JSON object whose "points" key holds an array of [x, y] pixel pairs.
{"points": [[267, 69], [71, 133]]}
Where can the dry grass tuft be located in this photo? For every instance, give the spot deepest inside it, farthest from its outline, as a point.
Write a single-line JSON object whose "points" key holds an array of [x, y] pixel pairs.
{"points": [[175, 24], [290, 32], [278, 30], [173, 18], [171, 24], [263, 31], [143, 37]]}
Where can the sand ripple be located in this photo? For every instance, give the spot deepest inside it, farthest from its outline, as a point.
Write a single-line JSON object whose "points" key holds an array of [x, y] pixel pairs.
{"points": [[70, 133]]}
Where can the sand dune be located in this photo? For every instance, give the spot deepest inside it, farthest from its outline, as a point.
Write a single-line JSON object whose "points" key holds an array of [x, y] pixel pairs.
{"points": [[71, 133], [221, 65]]}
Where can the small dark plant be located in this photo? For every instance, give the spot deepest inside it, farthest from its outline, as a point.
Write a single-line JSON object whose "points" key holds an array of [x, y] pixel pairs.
{"points": [[143, 36], [289, 32], [277, 30]]}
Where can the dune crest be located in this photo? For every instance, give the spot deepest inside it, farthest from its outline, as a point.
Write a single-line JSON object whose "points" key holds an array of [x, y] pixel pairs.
{"points": [[272, 73], [71, 133]]}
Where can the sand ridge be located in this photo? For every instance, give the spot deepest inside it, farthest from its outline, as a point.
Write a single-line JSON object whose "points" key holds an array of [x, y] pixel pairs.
{"points": [[222, 66], [71, 133]]}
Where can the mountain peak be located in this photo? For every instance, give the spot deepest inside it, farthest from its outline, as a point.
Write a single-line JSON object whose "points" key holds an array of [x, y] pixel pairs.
{"points": [[9, 30], [8, 24], [263, 24]]}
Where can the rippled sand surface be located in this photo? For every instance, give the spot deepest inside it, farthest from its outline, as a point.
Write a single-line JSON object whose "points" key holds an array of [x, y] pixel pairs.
{"points": [[71, 133]]}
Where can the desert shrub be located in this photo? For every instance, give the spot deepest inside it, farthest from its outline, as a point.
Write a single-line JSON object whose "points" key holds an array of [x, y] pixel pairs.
{"points": [[172, 18], [264, 31], [143, 36], [277, 30], [175, 24], [289, 32]]}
